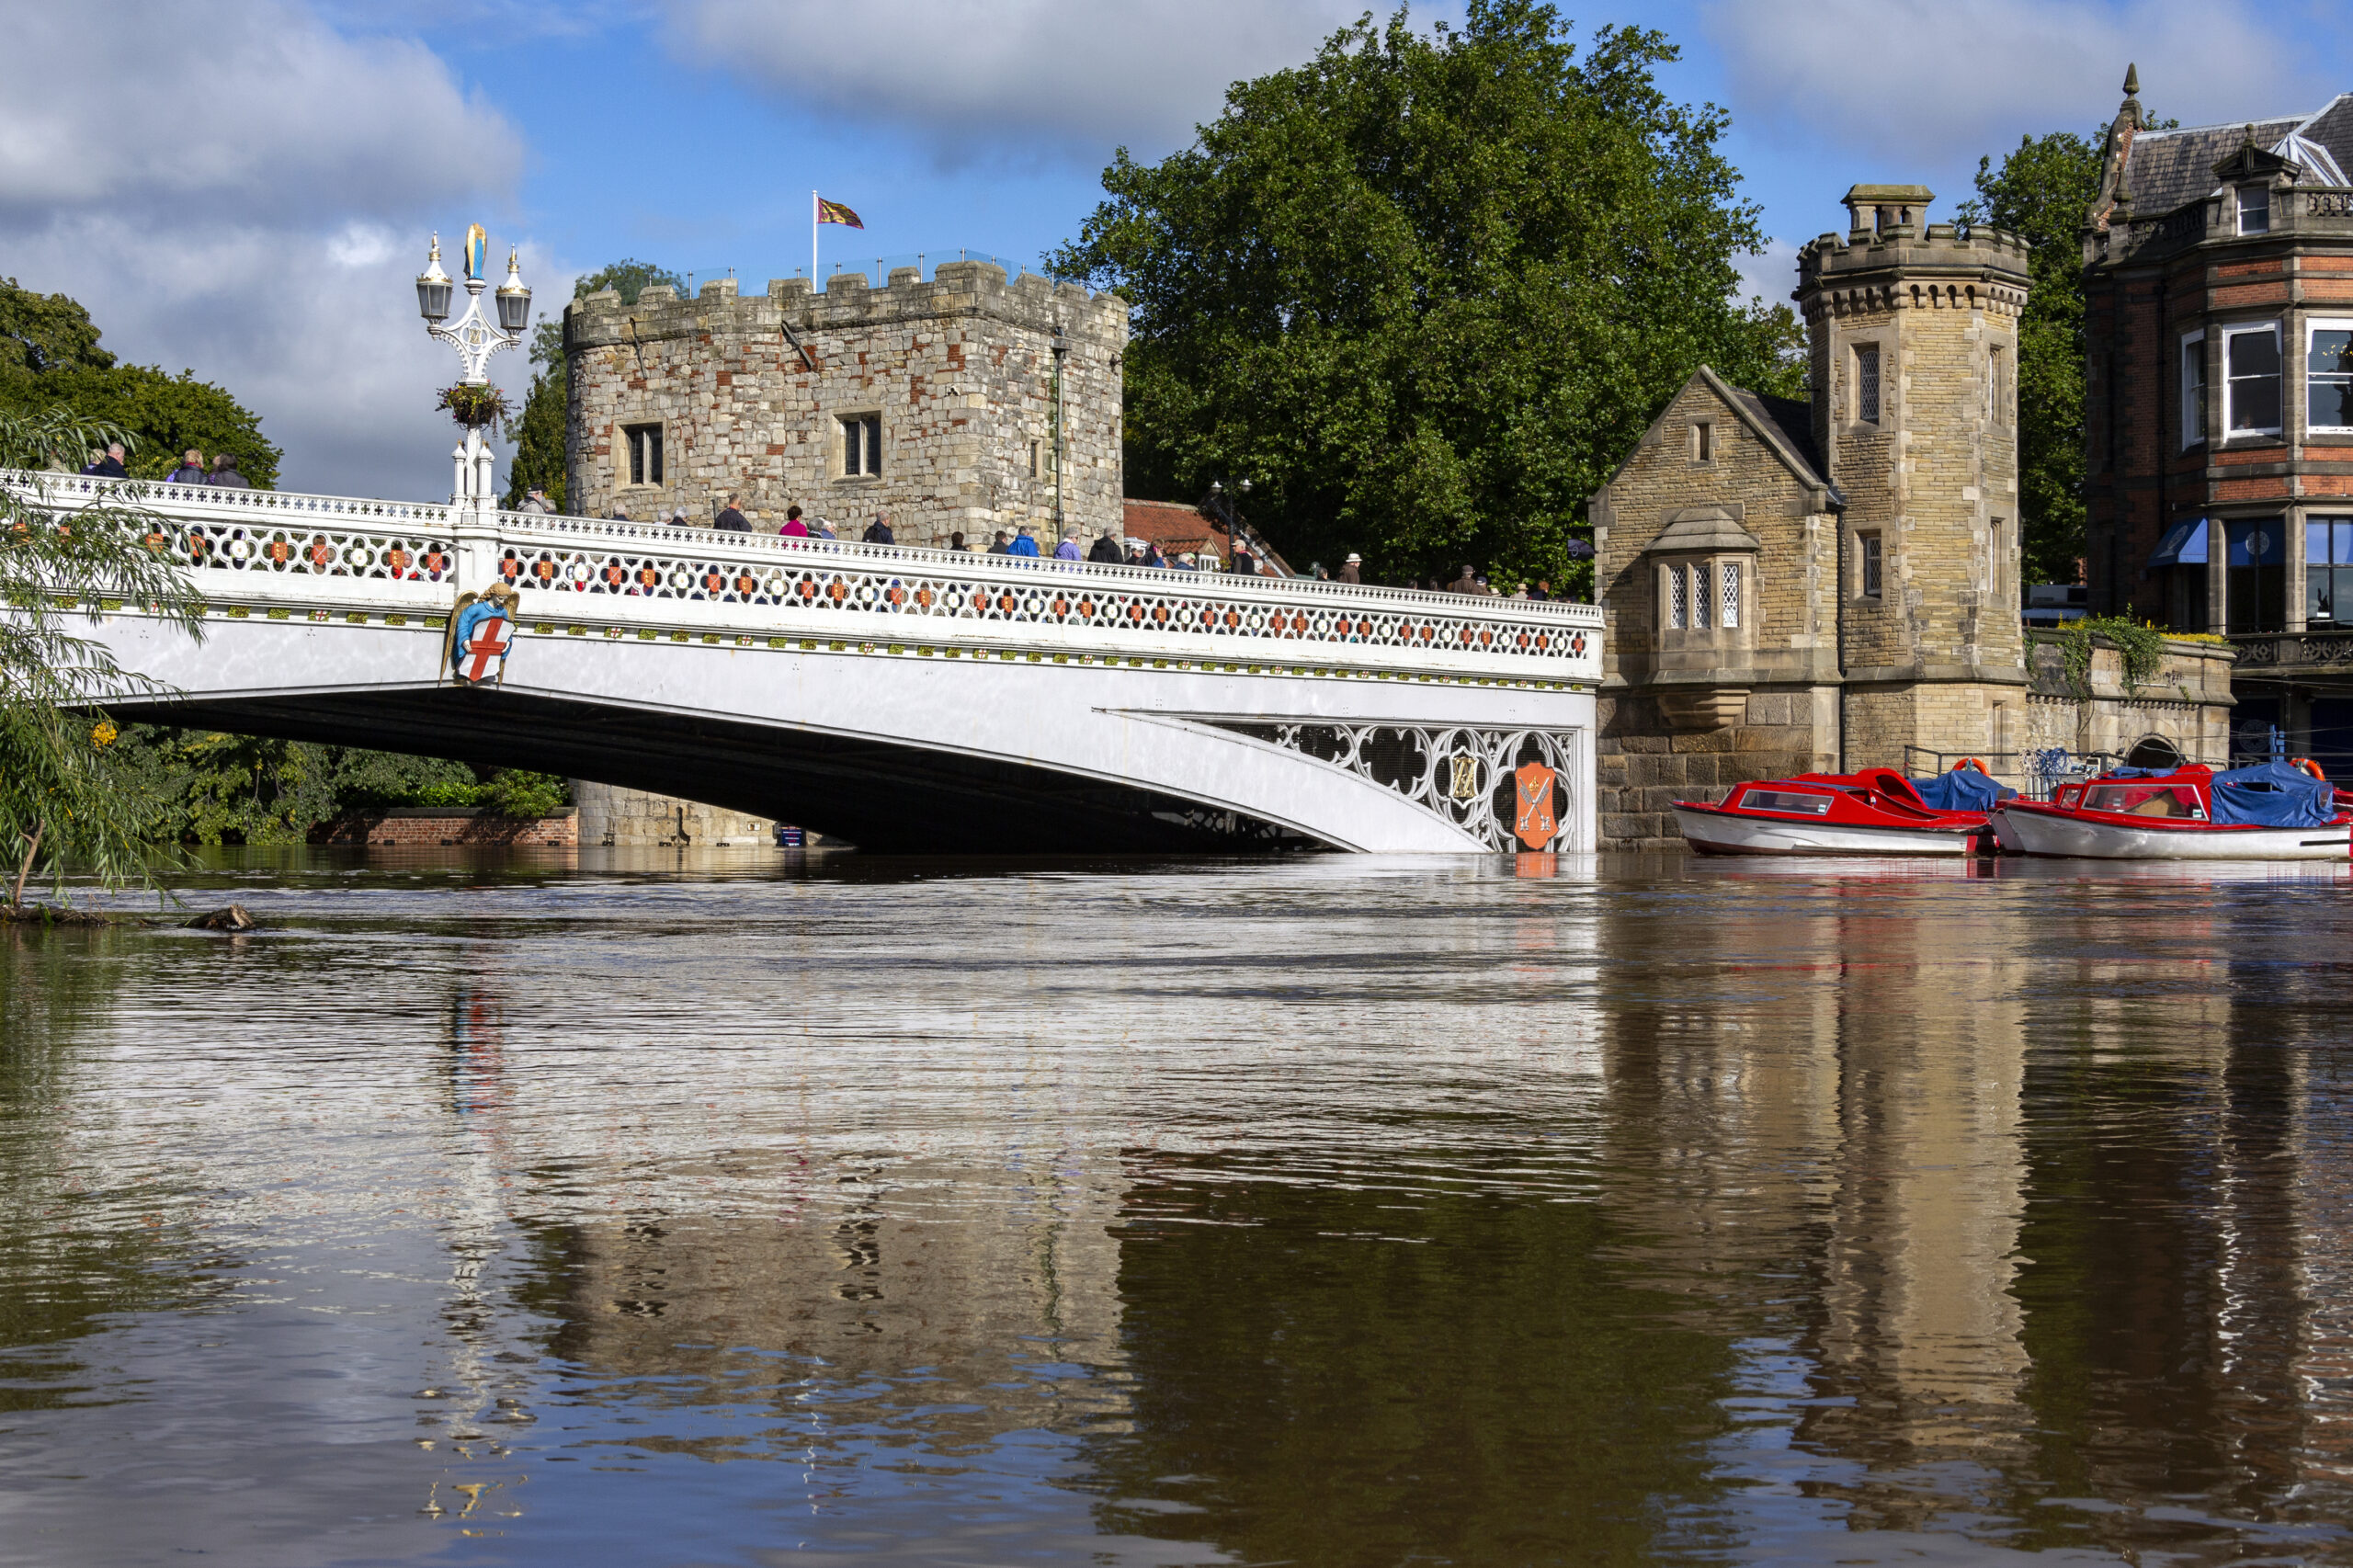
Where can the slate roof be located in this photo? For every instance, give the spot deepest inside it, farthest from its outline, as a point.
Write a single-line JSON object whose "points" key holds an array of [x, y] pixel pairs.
{"points": [[1792, 419], [2168, 168]]}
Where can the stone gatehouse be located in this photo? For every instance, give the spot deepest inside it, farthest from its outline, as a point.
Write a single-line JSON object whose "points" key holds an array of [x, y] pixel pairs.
{"points": [[965, 403], [1834, 584]]}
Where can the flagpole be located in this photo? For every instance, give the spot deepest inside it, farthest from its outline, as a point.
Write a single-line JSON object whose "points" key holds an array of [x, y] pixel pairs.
{"points": [[812, 239]]}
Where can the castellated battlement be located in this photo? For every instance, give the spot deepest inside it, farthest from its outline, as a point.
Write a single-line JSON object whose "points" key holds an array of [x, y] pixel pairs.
{"points": [[1891, 258], [965, 403], [850, 301]]}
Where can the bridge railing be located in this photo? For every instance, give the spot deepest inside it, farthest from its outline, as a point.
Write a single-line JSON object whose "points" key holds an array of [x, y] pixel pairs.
{"points": [[587, 561], [282, 550]]}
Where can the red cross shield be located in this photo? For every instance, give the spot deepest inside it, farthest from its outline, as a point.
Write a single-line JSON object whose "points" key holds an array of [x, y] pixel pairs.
{"points": [[485, 648], [1535, 823]]}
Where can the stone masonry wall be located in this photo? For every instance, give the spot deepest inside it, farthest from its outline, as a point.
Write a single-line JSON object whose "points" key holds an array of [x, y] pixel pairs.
{"points": [[611, 816], [1769, 673], [452, 825], [959, 370], [2187, 703], [1935, 659], [1643, 764]]}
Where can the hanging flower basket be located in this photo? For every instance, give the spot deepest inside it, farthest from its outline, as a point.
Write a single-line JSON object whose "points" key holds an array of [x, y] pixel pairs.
{"points": [[474, 408]]}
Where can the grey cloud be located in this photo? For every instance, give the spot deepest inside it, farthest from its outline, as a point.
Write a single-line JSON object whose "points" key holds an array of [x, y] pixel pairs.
{"points": [[1891, 80], [255, 210], [975, 76]]}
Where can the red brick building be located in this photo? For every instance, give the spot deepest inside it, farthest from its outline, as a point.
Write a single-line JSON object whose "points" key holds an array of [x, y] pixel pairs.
{"points": [[2219, 485]]}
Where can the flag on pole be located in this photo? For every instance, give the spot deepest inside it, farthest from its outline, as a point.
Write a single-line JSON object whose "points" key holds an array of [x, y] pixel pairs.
{"points": [[834, 212]]}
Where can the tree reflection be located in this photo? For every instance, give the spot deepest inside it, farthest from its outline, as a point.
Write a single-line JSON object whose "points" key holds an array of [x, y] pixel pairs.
{"points": [[76, 1249], [1334, 1376]]}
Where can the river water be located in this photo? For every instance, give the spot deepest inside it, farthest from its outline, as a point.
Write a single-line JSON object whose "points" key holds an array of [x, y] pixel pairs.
{"points": [[757, 1207]]}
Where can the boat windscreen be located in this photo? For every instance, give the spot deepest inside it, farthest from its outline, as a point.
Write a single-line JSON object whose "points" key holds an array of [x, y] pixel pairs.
{"points": [[1963, 790], [2272, 794]]}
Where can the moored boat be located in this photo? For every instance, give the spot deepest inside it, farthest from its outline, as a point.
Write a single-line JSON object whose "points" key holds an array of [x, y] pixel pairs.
{"points": [[1876, 812], [2271, 811]]}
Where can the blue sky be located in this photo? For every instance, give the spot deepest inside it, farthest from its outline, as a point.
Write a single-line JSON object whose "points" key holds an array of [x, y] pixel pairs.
{"points": [[258, 217]]}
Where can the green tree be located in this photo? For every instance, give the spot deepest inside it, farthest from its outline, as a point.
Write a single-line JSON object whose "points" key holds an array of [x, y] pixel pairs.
{"points": [[61, 797], [2042, 192], [538, 434], [51, 359], [209, 787], [1427, 290]]}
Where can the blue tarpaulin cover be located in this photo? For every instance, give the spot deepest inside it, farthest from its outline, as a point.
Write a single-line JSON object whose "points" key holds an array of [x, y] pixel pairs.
{"points": [[1963, 790], [2272, 794]]}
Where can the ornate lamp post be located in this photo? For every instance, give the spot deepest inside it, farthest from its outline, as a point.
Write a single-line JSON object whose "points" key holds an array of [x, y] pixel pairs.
{"points": [[475, 338]]}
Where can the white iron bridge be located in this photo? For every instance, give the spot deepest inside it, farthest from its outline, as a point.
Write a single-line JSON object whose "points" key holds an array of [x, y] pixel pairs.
{"points": [[905, 699]]}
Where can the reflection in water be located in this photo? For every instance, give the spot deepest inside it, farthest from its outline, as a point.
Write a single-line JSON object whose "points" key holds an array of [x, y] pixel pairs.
{"points": [[1323, 1211]]}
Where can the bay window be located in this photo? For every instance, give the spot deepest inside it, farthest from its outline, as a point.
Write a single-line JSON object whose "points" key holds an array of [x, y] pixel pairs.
{"points": [[2256, 586], [2193, 388], [2251, 384], [2328, 376], [2328, 572]]}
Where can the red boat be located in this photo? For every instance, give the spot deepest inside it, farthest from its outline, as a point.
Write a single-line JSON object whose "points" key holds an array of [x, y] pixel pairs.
{"points": [[2273, 811], [1876, 812]]}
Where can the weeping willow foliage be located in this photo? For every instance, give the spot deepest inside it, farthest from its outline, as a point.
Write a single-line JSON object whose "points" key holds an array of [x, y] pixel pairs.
{"points": [[62, 801]]}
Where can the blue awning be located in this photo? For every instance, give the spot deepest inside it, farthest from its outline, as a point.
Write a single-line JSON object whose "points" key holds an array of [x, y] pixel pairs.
{"points": [[2184, 545]]}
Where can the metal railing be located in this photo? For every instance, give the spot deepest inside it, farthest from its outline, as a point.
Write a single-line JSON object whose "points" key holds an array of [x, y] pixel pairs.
{"points": [[330, 558], [2035, 773]]}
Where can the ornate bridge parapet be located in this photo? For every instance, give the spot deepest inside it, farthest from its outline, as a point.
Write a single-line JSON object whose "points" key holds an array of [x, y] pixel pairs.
{"points": [[1184, 696]]}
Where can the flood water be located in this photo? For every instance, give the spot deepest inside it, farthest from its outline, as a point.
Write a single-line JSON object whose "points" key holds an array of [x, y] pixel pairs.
{"points": [[756, 1209]]}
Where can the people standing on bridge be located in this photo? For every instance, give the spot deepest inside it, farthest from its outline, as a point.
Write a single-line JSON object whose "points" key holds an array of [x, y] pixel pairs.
{"points": [[1001, 544], [108, 464], [956, 543], [794, 527], [1242, 565], [1023, 545], [731, 516], [1352, 569], [879, 530], [1106, 551], [191, 469], [1067, 550], [535, 501], [226, 475]]}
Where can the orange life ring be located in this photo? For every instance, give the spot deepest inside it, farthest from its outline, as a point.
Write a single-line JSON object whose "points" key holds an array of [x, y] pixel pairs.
{"points": [[1971, 762], [2309, 766]]}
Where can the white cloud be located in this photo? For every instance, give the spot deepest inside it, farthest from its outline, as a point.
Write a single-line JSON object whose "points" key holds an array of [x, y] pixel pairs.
{"points": [[1770, 275], [1896, 80], [979, 75], [253, 210]]}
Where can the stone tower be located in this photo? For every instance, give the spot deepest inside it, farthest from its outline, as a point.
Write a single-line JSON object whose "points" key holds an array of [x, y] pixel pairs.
{"points": [[961, 404], [1913, 329]]}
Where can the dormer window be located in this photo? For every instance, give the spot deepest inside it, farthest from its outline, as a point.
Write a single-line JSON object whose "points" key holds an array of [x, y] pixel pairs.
{"points": [[2255, 210]]}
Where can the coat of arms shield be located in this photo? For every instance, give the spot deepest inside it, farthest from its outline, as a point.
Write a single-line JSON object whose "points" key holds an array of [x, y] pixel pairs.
{"points": [[483, 633], [1535, 823]]}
